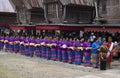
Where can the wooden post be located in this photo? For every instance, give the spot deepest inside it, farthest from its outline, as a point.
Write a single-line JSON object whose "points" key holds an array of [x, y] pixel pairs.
{"points": [[45, 13], [96, 10], [57, 11], [17, 17], [28, 16], [64, 13]]}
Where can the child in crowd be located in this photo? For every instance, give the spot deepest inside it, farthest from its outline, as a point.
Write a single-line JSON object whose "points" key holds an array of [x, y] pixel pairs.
{"points": [[102, 56]]}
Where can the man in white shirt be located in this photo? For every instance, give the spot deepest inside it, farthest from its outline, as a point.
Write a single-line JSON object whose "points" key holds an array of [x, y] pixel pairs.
{"points": [[92, 37]]}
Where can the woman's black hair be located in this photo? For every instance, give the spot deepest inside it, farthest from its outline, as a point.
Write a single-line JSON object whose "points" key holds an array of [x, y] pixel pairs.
{"points": [[95, 39], [86, 39]]}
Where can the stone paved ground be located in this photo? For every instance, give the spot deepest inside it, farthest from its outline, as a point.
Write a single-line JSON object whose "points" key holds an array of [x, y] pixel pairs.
{"points": [[18, 66]]}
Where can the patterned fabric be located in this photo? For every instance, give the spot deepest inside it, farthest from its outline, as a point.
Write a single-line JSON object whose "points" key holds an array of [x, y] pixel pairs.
{"points": [[59, 51], [94, 60], [1, 45], [22, 49], [87, 54], [48, 53], [11, 48], [59, 54], [71, 55], [16, 48], [87, 57], [54, 53], [78, 57], [94, 56], [7, 46], [43, 51], [27, 51], [109, 59], [31, 51], [64, 55]]}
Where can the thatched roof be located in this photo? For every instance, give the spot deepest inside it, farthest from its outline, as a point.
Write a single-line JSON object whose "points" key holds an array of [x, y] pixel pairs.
{"points": [[6, 6], [40, 3], [78, 2], [29, 4], [34, 3], [17, 2]]}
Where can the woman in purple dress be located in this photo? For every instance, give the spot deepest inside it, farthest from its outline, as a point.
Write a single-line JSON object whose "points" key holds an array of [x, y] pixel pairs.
{"points": [[59, 49], [16, 44], [26, 46], [87, 53], [48, 48], [40, 49], [54, 49], [64, 51], [70, 51], [6, 44], [37, 47], [31, 46], [82, 45], [11, 44], [43, 47], [78, 52], [22, 48]]}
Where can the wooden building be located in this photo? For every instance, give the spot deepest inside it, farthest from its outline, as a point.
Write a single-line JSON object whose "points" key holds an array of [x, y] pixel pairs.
{"points": [[29, 11], [53, 11], [109, 11], [61, 15], [69, 11], [7, 12]]}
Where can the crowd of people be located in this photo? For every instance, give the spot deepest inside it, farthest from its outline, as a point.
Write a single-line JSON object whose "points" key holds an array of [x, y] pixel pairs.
{"points": [[89, 52]]}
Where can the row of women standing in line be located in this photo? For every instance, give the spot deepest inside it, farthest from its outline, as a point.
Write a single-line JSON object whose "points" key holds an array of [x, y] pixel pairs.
{"points": [[65, 50]]}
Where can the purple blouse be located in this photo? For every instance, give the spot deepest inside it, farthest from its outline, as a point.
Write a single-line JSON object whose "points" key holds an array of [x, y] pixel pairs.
{"points": [[31, 40], [37, 41]]}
